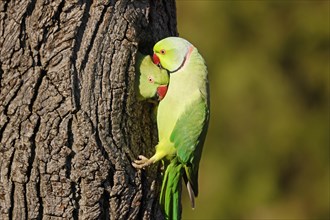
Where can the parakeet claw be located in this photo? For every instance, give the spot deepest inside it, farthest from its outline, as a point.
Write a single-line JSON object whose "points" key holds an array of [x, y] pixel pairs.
{"points": [[142, 162]]}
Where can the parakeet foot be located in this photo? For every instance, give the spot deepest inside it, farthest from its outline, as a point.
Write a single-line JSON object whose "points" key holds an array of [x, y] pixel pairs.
{"points": [[142, 162]]}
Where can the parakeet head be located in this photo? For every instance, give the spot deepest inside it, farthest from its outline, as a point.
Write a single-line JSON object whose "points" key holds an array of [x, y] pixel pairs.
{"points": [[170, 53], [150, 80]]}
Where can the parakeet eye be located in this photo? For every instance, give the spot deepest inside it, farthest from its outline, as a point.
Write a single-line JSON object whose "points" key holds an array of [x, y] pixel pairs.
{"points": [[162, 51], [150, 79]]}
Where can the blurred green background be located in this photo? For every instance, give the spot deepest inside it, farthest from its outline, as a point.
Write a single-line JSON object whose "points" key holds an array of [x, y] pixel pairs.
{"points": [[267, 151]]}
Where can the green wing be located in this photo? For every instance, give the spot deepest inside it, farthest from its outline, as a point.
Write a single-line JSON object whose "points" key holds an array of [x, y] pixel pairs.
{"points": [[188, 137]]}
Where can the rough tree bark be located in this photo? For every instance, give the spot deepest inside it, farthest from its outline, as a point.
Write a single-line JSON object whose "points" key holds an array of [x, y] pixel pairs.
{"points": [[69, 121]]}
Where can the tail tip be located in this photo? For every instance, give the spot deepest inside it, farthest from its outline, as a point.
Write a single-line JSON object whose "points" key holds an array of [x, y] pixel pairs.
{"points": [[191, 195]]}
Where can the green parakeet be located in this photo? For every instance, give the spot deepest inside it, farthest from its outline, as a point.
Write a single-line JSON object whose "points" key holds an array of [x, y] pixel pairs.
{"points": [[182, 121], [150, 80]]}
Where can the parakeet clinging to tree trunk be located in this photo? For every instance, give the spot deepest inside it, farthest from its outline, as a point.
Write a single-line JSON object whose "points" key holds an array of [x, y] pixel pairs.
{"points": [[182, 121]]}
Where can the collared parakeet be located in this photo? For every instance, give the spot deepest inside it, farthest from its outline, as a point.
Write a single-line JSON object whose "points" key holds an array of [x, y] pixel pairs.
{"points": [[182, 121], [150, 80]]}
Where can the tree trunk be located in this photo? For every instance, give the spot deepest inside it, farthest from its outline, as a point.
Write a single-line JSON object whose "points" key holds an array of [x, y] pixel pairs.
{"points": [[70, 124]]}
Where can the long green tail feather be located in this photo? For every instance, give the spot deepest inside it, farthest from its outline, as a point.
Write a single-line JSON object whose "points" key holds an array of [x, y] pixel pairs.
{"points": [[170, 196]]}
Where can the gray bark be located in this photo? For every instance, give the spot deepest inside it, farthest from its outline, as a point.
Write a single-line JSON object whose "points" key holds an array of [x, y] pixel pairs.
{"points": [[70, 124]]}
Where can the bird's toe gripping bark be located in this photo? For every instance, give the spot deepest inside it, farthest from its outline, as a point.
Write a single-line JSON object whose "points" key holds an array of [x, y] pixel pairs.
{"points": [[142, 162]]}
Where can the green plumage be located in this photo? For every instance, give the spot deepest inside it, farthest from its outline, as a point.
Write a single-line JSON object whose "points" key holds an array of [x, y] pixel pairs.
{"points": [[148, 77], [188, 139], [182, 121], [170, 196]]}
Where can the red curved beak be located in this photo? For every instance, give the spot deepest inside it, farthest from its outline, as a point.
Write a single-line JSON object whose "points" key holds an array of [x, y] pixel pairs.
{"points": [[155, 59], [161, 92]]}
